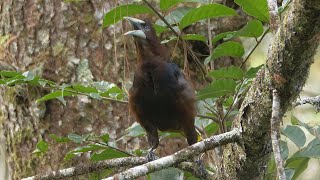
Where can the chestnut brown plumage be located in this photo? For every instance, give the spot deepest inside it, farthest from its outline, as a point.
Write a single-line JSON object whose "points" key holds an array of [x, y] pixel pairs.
{"points": [[161, 98]]}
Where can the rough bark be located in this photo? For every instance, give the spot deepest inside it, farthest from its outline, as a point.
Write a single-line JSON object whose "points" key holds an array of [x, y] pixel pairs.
{"points": [[287, 69], [62, 42]]}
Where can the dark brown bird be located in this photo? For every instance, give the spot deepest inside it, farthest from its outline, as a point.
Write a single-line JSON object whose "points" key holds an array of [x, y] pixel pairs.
{"points": [[161, 98]]}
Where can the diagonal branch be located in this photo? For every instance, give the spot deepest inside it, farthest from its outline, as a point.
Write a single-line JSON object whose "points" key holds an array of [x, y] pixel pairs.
{"points": [[180, 156]]}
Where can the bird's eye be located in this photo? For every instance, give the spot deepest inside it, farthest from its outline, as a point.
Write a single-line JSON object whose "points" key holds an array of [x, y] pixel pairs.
{"points": [[147, 28]]}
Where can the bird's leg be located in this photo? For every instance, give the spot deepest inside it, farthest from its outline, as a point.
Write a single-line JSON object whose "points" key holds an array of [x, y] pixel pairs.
{"points": [[153, 139]]}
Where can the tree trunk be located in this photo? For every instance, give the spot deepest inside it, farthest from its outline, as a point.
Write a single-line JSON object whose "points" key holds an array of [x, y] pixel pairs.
{"points": [[62, 42], [288, 64]]}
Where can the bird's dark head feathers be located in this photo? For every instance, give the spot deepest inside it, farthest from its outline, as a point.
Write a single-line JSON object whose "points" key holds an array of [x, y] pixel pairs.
{"points": [[146, 40], [141, 29]]}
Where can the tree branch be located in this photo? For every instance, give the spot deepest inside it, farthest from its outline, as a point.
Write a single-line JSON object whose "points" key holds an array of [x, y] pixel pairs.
{"points": [[180, 156], [89, 168], [288, 62], [275, 134], [315, 101]]}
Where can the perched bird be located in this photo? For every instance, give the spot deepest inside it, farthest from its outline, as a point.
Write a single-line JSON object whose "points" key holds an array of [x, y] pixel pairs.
{"points": [[161, 98]]}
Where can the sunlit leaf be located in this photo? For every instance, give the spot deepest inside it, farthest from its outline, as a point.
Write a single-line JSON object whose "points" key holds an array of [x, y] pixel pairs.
{"points": [[42, 147], [107, 154], [218, 88], [166, 4], [230, 48], [253, 28], [232, 72], [204, 12], [59, 139], [222, 36], [256, 8], [116, 14], [54, 95], [75, 138], [175, 16]]}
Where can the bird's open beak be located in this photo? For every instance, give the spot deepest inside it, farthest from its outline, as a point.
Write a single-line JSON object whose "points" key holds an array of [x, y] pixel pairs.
{"points": [[136, 24]]}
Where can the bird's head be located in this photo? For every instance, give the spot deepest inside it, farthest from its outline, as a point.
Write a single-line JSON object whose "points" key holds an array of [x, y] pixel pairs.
{"points": [[147, 43]]}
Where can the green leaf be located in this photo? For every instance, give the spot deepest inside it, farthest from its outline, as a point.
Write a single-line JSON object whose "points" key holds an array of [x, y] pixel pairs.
{"points": [[284, 150], [312, 130], [42, 147], [252, 72], [75, 138], [231, 72], [256, 8], [253, 28], [311, 151], [175, 16], [168, 173], [230, 48], [295, 134], [95, 96], [107, 154], [9, 74], [194, 37], [299, 164], [135, 130], [212, 128], [84, 89], [218, 37], [204, 12], [166, 4], [59, 139], [294, 120], [218, 88], [159, 29], [105, 138], [29, 76], [197, 37], [54, 95], [116, 14], [289, 173], [82, 149]]}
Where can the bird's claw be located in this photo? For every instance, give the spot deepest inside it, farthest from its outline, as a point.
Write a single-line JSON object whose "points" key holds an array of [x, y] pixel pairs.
{"points": [[151, 156]]}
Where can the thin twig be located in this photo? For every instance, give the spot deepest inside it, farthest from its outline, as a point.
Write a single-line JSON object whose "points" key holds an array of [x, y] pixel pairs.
{"points": [[114, 148], [233, 102], [209, 117], [182, 44], [254, 48], [275, 134]]}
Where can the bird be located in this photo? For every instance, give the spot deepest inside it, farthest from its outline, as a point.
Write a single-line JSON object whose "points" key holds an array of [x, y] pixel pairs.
{"points": [[161, 97]]}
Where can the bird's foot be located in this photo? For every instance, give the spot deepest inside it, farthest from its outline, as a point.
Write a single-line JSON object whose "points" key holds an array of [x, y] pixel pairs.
{"points": [[151, 156]]}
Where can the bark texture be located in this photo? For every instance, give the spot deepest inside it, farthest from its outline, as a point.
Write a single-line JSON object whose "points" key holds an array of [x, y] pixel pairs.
{"points": [[287, 69], [62, 42]]}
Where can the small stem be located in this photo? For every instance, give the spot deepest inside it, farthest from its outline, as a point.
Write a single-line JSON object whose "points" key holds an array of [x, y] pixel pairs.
{"points": [[114, 148], [254, 48]]}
